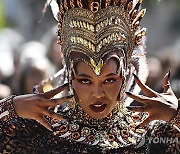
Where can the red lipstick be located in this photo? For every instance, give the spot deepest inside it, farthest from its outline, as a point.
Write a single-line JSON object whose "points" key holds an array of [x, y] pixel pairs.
{"points": [[98, 107]]}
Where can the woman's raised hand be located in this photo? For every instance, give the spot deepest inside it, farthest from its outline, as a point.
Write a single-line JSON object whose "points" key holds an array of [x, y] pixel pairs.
{"points": [[36, 106], [160, 106]]}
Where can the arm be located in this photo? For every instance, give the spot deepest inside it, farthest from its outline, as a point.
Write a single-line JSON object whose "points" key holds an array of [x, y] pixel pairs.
{"points": [[7, 111], [18, 133], [164, 133], [159, 106], [176, 120], [22, 136], [32, 106], [163, 138], [15, 135]]}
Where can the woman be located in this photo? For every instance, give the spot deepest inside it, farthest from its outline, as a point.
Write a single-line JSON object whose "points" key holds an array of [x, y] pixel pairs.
{"points": [[103, 47]]}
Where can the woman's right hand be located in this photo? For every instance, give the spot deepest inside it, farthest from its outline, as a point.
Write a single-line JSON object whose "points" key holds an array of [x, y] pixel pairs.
{"points": [[36, 106]]}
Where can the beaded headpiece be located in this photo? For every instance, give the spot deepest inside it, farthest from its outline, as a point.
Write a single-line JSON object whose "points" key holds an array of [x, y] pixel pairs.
{"points": [[101, 29], [93, 31], [96, 28]]}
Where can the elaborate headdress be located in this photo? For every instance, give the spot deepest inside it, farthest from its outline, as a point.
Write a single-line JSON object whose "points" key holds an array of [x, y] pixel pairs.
{"points": [[97, 30]]}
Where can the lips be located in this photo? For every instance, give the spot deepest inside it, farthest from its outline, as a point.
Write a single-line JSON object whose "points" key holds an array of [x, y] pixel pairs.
{"points": [[98, 107]]}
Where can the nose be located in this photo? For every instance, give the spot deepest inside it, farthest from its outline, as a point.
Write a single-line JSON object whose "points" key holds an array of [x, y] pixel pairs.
{"points": [[98, 91]]}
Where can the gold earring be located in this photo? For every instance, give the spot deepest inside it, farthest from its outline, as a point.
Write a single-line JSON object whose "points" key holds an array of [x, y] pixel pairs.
{"points": [[72, 101]]}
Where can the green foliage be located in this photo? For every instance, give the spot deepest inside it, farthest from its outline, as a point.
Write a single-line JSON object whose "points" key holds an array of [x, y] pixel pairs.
{"points": [[2, 17]]}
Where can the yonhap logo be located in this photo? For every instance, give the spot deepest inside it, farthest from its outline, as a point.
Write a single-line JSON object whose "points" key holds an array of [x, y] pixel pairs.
{"points": [[141, 143], [157, 140]]}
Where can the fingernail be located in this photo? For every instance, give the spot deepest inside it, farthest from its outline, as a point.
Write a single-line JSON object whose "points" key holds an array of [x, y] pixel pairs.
{"points": [[52, 128], [64, 85], [135, 76], [128, 93], [137, 127], [169, 74], [34, 90], [129, 107], [70, 96], [134, 107]]}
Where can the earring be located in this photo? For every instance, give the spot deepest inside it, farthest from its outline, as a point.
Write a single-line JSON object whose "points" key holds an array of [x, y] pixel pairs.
{"points": [[71, 104], [120, 99], [72, 101]]}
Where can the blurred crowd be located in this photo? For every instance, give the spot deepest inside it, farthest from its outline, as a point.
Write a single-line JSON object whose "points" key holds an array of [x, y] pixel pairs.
{"points": [[25, 64], [158, 66], [29, 52]]}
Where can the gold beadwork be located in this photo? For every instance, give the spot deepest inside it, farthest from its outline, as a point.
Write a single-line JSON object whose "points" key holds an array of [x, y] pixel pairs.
{"points": [[79, 3], [84, 25], [143, 12], [107, 3], [139, 15], [72, 3], [140, 131], [129, 15], [97, 67], [131, 140], [65, 4], [61, 9], [94, 6], [123, 2], [129, 6], [81, 24], [141, 32], [140, 1], [92, 28]]}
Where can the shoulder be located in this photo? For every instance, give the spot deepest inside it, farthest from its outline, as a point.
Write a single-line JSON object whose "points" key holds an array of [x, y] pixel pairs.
{"points": [[163, 136], [22, 135], [163, 128]]}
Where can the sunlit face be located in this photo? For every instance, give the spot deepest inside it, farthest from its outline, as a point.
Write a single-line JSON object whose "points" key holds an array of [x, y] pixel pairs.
{"points": [[97, 95]]}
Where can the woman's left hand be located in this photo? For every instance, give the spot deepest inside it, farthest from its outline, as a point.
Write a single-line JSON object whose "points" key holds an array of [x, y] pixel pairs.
{"points": [[160, 106]]}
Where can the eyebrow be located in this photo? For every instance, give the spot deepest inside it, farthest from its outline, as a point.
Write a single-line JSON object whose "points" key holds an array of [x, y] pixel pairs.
{"points": [[87, 76], [84, 75], [111, 74]]}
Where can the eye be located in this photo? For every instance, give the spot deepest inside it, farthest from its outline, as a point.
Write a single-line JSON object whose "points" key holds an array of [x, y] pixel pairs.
{"points": [[84, 81], [110, 80]]}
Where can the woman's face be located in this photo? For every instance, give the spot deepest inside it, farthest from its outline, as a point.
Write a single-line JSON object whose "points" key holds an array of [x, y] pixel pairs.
{"points": [[97, 95]]}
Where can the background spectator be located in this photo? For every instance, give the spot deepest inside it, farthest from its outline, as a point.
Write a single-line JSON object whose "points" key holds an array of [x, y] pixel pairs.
{"points": [[22, 26]]}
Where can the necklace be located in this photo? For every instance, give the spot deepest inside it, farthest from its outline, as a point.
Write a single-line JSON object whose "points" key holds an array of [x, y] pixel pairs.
{"points": [[114, 131]]}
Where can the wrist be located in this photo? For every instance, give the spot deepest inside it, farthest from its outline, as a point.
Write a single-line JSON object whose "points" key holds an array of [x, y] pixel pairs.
{"points": [[7, 109], [176, 119]]}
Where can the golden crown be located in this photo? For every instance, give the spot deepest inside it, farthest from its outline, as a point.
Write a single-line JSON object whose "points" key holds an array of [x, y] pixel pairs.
{"points": [[98, 27]]}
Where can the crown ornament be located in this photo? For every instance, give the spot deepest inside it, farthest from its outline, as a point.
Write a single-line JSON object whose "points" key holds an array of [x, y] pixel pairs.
{"points": [[98, 30], [94, 27], [130, 10]]}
